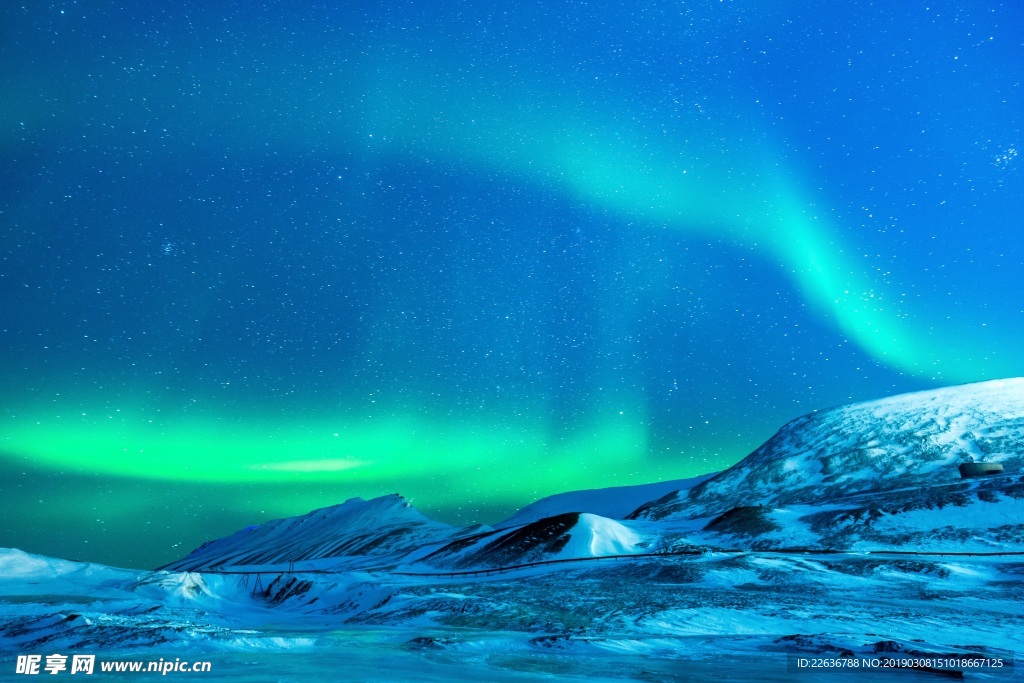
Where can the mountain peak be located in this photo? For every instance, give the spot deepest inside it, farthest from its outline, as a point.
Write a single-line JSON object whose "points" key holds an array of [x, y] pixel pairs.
{"points": [[906, 440], [375, 528]]}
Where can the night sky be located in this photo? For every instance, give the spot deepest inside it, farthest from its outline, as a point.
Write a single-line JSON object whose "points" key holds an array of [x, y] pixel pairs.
{"points": [[260, 258]]}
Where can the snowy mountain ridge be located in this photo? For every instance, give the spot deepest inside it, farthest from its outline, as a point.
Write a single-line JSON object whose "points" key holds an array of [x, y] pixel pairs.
{"points": [[879, 474], [567, 536], [615, 502], [905, 441], [376, 529]]}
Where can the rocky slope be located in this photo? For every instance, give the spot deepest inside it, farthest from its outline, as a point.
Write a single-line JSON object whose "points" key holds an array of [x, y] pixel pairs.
{"points": [[903, 442]]}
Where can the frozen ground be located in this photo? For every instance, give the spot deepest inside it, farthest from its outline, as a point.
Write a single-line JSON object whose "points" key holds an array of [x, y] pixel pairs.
{"points": [[718, 617]]}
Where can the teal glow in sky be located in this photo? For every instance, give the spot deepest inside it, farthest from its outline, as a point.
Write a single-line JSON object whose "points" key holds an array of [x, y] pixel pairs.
{"points": [[259, 260]]}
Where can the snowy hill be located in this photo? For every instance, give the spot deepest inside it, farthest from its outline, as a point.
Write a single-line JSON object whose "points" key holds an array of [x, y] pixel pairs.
{"points": [[355, 532], [56, 605], [976, 516], [23, 573], [615, 503], [906, 441], [571, 535]]}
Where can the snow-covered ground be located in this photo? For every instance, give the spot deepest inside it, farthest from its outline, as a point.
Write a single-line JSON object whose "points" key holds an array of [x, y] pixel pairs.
{"points": [[737, 614]]}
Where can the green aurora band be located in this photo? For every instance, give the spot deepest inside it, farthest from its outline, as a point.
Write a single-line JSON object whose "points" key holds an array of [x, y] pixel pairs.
{"points": [[685, 173], [705, 180], [209, 450]]}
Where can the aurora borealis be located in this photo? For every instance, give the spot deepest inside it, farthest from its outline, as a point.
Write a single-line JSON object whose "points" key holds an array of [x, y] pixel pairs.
{"points": [[260, 259]]}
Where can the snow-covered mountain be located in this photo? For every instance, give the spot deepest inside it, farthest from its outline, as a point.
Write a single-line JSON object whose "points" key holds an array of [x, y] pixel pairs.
{"points": [[616, 502], [903, 442], [56, 605], [979, 516], [36, 574], [357, 532], [571, 535]]}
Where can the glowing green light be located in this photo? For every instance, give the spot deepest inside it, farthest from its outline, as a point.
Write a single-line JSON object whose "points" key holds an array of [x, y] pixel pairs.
{"points": [[687, 182], [398, 451]]}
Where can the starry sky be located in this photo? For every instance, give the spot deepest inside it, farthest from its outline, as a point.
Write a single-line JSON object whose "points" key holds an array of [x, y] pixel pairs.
{"points": [[260, 258]]}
